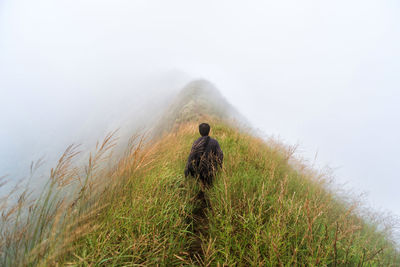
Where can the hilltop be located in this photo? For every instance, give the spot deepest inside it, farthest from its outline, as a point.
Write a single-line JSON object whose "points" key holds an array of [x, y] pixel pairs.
{"points": [[197, 100], [142, 211]]}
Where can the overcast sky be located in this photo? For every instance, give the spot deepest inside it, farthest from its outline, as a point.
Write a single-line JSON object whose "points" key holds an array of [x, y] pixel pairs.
{"points": [[324, 74]]}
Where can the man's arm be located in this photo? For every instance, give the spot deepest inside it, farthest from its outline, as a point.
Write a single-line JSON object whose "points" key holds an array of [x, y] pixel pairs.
{"points": [[189, 164]]}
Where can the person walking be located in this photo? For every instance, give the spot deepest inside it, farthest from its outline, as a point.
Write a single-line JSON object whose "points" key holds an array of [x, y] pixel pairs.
{"points": [[205, 157]]}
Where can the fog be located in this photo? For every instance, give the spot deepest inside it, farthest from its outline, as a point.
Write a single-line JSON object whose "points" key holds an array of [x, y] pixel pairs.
{"points": [[320, 74]]}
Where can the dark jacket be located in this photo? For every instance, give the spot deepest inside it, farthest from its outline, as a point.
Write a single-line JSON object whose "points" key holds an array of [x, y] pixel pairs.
{"points": [[205, 158]]}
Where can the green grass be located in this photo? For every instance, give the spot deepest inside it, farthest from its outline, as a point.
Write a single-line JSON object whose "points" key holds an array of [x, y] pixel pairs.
{"points": [[264, 211]]}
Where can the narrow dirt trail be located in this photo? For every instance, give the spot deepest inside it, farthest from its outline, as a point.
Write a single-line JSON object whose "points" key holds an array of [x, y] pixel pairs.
{"points": [[200, 227]]}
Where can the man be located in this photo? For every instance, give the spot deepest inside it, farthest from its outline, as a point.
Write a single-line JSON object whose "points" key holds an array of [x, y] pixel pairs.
{"points": [[205, 157]]}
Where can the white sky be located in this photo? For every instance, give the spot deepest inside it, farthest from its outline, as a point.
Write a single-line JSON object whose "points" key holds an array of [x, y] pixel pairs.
{"points": [[324, 74]]}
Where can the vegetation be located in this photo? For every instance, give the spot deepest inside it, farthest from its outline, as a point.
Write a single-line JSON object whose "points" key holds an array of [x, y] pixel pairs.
{"points": [[265, 209]]}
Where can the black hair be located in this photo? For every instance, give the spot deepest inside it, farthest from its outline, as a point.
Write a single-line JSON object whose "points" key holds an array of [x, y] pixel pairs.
{"points": [[204, 129]]}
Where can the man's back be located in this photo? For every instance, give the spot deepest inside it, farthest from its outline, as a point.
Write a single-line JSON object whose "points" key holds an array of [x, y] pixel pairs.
{"points": [[205, 158]]}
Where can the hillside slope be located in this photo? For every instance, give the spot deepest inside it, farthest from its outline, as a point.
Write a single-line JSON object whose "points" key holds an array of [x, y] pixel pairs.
{"points": [[142, 211], [262, 213]]}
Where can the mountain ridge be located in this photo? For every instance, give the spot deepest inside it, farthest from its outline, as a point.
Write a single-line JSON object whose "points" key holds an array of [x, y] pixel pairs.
{"points": [[199, 99], [141, 210]]}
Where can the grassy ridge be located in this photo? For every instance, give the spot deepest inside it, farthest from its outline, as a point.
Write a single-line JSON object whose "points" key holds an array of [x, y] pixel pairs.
{"points": [[263, 211]]}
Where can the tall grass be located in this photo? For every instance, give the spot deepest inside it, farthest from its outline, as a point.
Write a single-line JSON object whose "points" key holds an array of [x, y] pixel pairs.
{"points": [[266, 212], [35, 231], [264, 209]]}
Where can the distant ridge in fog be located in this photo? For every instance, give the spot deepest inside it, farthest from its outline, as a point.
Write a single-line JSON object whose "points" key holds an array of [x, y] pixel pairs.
{"points": [[198, 99]]}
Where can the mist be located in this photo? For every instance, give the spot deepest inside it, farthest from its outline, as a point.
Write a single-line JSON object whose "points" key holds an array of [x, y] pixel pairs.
{"points": [[324, 75]]}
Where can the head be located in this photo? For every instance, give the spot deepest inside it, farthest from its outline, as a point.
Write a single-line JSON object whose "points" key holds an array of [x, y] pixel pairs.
{"points": [[204, 129]]}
